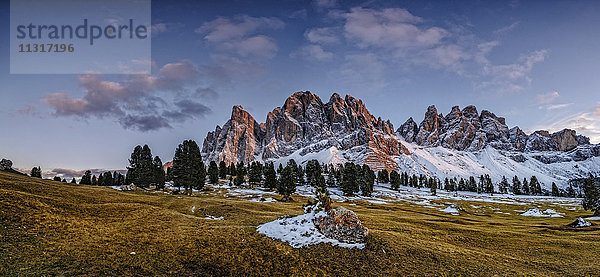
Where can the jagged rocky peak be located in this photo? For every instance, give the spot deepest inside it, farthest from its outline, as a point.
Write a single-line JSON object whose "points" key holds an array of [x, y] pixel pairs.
{"points": [[408, 130], [239, 140], [471, 131], [305, 124]]}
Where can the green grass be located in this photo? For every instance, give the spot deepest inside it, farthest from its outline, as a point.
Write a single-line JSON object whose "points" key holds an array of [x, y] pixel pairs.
{"points": [[51, 228]]}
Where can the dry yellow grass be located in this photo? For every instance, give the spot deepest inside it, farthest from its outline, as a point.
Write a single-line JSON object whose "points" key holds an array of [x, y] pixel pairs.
{"points": [[51, 228]]}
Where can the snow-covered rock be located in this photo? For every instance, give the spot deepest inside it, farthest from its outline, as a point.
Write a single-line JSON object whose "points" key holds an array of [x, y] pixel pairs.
{"points": [[300, 231], [580, 223], [343, 225], [535, 212]]}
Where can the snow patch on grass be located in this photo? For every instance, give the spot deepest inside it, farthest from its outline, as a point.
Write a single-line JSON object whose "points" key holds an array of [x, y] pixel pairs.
{"points": [[211, 217], [300, 231], [539, 213], [453, 210]]}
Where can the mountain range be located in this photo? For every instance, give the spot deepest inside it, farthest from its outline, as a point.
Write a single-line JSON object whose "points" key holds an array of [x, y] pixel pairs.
{"points": [[461, 143]]}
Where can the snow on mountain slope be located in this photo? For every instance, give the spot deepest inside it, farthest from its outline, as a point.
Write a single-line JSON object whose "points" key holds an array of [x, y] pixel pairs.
{"points": [[462, 143]]}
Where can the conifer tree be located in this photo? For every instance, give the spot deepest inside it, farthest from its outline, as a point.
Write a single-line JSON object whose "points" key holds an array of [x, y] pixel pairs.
{"points": [[526, 189], [516, 188], [555, 190], [158, 173], [350, 179], [366, 178], [503, 186], [255, 173], [213, 173], [188, 169], [330, 179], [222, 170], [287, 182], [270, 176], [591, 198], [395, 179], [94, 180], [56, 178], [86, 179], [73, 181], [36, 172], [141, 170], [383, 177]]}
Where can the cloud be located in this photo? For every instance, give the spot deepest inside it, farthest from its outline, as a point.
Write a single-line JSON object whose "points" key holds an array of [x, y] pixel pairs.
{"points": [[240, 35], [29, 109], [507, 28], [365, 70], [402, 40], [160, 28], [585, 123], [511, 78], [68, 174], [390, 28], [324, 4], [313, 52], [322, 35], [546, 98], [558, 106], [139, 102], [206, 94]]}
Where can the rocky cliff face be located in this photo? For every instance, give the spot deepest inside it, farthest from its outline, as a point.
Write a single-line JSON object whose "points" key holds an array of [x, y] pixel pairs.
{"points": [[305, 124], [240, 139], [342, 129], [467, 130]]}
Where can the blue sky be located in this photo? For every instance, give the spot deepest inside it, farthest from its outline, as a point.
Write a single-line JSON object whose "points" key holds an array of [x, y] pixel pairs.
{"points": [[534, 62]]}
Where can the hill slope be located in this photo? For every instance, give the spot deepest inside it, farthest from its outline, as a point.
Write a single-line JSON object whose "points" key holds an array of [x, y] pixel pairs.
{"points": [[51, 228]]}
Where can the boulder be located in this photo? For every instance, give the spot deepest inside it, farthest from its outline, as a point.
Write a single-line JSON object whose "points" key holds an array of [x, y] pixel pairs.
{"points": [[580, 223], [343, 225], [5, 164]]}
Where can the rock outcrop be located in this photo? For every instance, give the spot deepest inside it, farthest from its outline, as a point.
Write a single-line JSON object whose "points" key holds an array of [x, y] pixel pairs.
{"points": [[468, 130], [240, 139], [343, 225], [304, 123]]}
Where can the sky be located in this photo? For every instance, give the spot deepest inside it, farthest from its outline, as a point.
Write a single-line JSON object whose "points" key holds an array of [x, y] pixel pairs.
{"points": [[536, 63]]}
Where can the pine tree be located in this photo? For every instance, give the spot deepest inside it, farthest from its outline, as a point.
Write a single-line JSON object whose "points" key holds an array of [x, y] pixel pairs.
{"points": [[555, 190], [36, 172], [169, 175], [383, 177], [330, 179], [255, 173], [432, 186], [366, 180], [350, 179], [313, 172], [100, 181], [503, 186], [287, 183], [108, 179], [56, 178], [591, 200], [270, 176], [395, 179], [86, 179], [188, 168], [222, 170], [241, 174], [533, 186], [94, 180], [73, 181], [213, 173], [141, 170], [526, 189], [516, 188], [159, 173]]}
